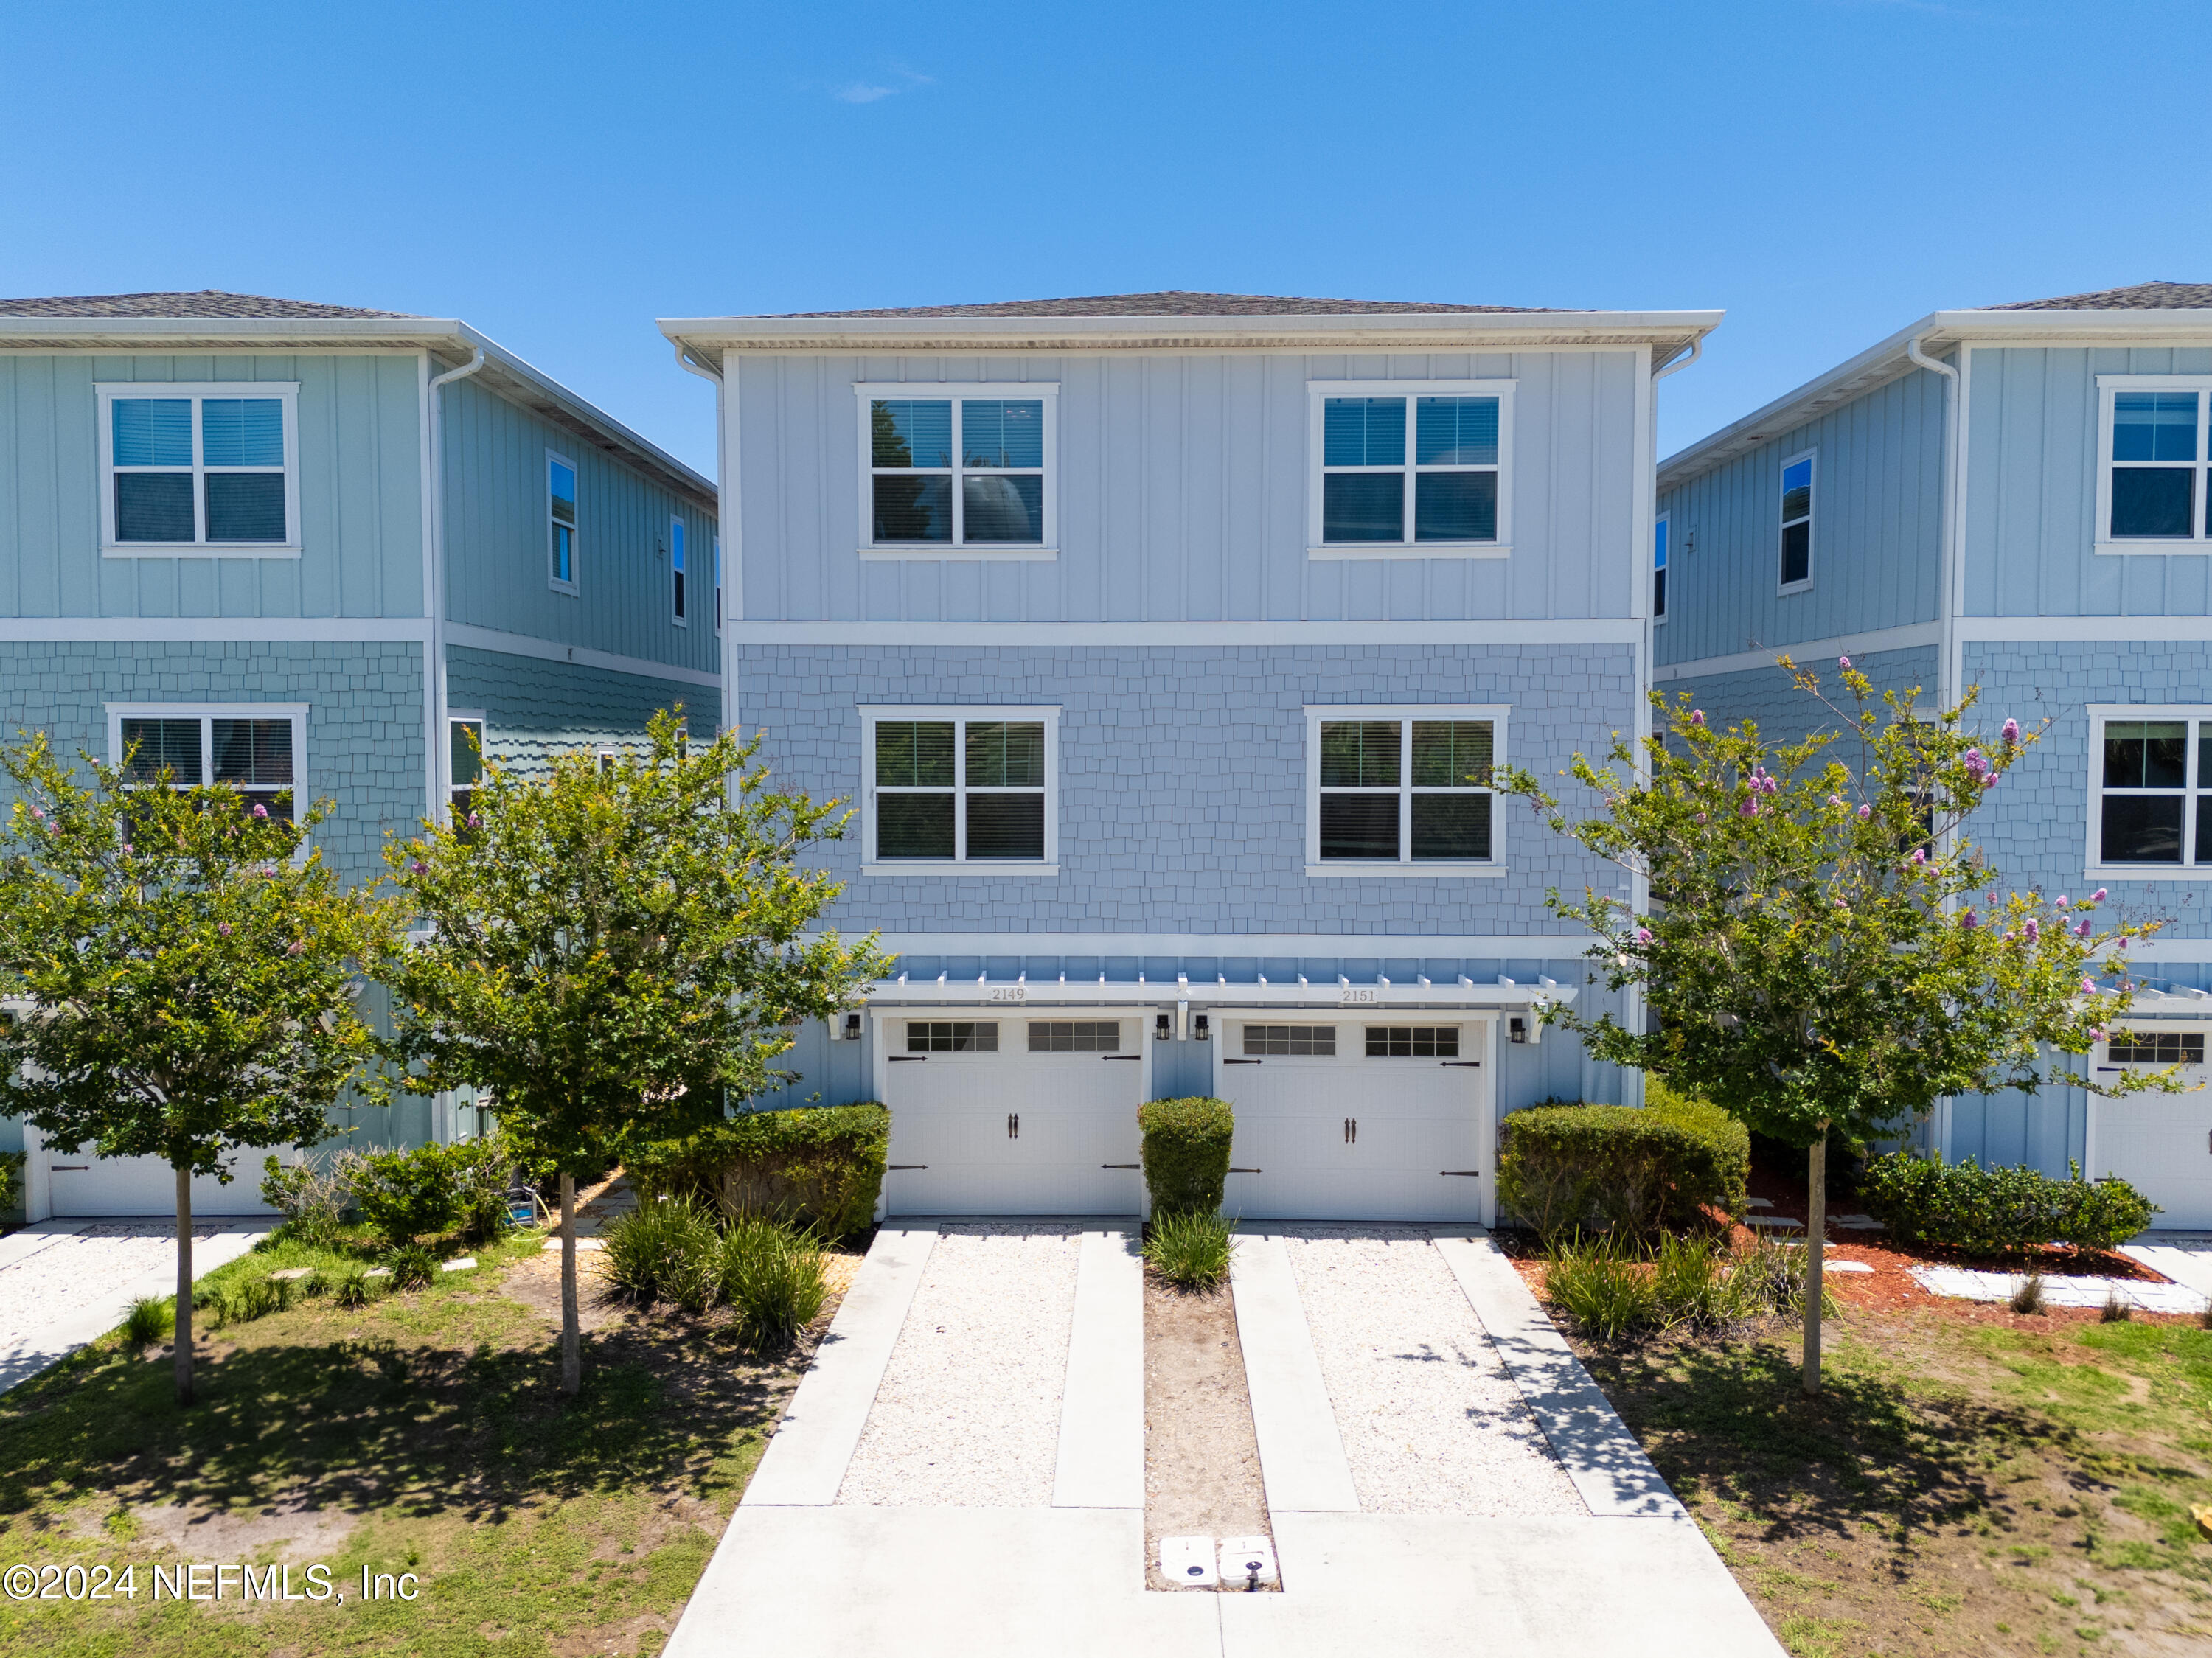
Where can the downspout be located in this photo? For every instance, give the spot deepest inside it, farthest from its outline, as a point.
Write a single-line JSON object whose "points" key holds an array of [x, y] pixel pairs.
{"points": [[1946, 611], [441, 762], [1697, 350], [732, 545]]}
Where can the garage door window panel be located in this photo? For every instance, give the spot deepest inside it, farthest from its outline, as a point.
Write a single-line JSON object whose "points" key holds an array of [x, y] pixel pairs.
{"points": [[951, 1037], [1412, 1041], [960, 788], [1404, 791], [1291, 1041], [1075, 1035]]}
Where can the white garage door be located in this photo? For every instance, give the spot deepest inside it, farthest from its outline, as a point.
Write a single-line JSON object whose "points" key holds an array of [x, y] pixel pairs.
{"points": [[1013, 1116], [1361, 1121], [2161, 1144], [85, 1185]]}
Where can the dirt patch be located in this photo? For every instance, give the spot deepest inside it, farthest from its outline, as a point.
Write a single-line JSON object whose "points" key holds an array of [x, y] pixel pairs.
{"points": [[1201, 1456], [535, 1281], [205, 1532]]}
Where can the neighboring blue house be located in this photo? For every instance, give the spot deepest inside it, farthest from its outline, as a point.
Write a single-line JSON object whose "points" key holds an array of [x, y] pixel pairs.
{"points": [[1164, 644], [2014, 499], [304, 548]]}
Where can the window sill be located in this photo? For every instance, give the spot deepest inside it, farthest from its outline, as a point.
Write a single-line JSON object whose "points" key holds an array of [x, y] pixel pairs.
{"points": [[202, 549], [1789, 588], [973, 867], [1449, 871], [2148, 873], [1411, 549], [943, 555], [2163, 544], [568, 587]]}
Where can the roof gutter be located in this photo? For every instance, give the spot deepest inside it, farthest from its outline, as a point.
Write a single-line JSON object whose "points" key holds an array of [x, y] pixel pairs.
{"points": [[1009, 995]]}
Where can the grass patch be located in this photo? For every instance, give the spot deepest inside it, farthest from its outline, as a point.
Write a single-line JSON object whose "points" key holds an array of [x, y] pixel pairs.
{"points": [[418, 1432], [1959, 1487]]}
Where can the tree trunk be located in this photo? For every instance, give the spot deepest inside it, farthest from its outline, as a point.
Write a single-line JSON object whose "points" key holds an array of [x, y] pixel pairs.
{"points": [[184, 1331], [572, 1331], [1816, 1243]]}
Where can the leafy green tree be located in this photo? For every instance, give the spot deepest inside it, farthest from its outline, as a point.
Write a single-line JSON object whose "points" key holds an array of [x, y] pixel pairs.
{"points": [[613, 949], [1824, 950], [181, 982]]}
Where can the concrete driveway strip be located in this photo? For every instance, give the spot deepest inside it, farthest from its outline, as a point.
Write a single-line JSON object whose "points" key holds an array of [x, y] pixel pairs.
{"points": [[1608, 1469], [1101, 1415], [1302, 1460], [75, 1286], [2189, 1264], [805, 1461]]}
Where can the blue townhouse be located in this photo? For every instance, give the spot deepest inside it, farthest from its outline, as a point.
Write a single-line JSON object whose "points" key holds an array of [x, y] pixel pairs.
{"points": [[2013, 498], [315, 551], [1165, 646]]}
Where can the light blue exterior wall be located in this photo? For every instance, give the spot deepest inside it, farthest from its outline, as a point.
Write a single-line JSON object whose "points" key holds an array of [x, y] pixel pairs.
{"points": [[534, 710], [2031, 526], [1877, 531], [1183, 796], [1182, 487], [360, 499], [1771, 697], [498, 551]]}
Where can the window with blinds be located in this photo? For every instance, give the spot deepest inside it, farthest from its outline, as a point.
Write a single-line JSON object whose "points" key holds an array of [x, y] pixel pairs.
{"points": [[199, 469]]}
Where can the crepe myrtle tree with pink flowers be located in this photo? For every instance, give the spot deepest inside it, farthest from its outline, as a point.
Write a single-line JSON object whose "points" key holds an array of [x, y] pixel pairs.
{"points": [[1825, 950], [180, 969]]}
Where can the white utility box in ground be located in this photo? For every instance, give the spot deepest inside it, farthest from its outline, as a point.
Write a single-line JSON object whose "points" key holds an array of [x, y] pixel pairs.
{"points": [[1188, 1561], [1248, 1562]]}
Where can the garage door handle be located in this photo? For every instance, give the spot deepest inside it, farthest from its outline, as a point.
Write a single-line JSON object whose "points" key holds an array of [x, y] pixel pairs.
{"points": [[1226, 1061], [893, 1166], [1013, 1124], [1469, 1063], [1120, 1165], [906, 1058], [1132, 1058], [1475, 1173], [71, 1168]]}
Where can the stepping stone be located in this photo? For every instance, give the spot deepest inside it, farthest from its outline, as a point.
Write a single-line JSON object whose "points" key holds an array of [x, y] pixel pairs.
{"points": [[1844, 1267], [1760, 1203], [291, 1275], [1776, 1223], [1248, 1560], [553, 1245], [461, 1265], [1188, 1562], [1858, 1224], [378, 1272]]}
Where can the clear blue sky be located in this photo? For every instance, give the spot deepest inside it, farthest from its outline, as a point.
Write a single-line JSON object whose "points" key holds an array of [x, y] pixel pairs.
{"points": [[559, 175]]}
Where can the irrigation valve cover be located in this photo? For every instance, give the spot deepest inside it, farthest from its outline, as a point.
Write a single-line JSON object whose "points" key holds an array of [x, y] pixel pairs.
{"points": [[1250, 1561], [1188, 1561]]}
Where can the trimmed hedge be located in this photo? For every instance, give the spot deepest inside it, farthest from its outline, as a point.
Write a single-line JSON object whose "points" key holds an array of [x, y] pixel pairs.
{"points": [[1185, 1153], [1620, 1170], [2000, 1211], [819, 1166]]}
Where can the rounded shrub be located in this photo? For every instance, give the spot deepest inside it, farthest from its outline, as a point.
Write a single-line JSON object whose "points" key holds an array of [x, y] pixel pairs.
{"points": [[1631, 1171], [817, 1166], [1185, 1148], [2000, 1211]]}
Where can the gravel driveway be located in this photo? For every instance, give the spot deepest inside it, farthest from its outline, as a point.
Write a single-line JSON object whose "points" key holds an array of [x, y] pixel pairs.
{"points": [[1430, 1419]]}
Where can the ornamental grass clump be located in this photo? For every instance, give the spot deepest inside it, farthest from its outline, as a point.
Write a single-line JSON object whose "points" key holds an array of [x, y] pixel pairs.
{"points": [[2027, 1295], [150, 1319], [1190, 1250], [772, 1278], [413, 1268], [654, 1250], [1612, 1288]]}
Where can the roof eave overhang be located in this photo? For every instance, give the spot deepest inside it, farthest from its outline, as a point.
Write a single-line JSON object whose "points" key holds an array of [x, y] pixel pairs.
{"points": [[1669, 333], [1938, 331], [451, 343]]}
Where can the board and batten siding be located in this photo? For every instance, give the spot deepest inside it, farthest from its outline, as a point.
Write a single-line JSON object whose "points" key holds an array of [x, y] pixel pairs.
{"points": [[361, 504], [498, 556], [1183, 491], [1877, 531], [2032, 489]]}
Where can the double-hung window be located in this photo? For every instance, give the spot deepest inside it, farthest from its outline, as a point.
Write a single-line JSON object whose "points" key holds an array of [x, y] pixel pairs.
{"points": [[1797, 521], [199, 470], [2154, 449], [256, 749], [1402, 791], [465, 737], [1406, 469], [948, 788], [561, 522], [2150, 775], [676, 572], [958, 470], [1660, 533]]}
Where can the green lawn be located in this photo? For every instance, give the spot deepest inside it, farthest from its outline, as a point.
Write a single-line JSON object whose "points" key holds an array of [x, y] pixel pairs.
{"points": [[421, 1434], [1962, 1487]]}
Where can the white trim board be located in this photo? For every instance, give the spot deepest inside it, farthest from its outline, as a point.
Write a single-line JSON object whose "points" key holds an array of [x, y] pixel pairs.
{"points": [[546, 650], [2084, 630], [1548, 947], [211, 629], [1594, 631], [1912, 636]]}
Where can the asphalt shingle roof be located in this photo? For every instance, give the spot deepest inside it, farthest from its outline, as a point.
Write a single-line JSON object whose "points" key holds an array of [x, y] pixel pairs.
{"points": [[2143, 296], [208, 302], [1173, 302]]}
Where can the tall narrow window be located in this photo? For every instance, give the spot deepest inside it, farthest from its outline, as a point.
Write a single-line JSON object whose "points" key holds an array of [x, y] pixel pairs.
{"points": [[560, 520], [1797, 521], [199, 469], [957, 785], [718, 584], [1409, 466], [251, 750], [676, 569], [959, 467], [1402, 787], [1659, 531], [465, 754]]}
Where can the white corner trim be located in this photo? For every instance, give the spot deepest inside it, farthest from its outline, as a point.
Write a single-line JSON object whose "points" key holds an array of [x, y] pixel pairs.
{"points": [[1913, 636], [546, 650]]}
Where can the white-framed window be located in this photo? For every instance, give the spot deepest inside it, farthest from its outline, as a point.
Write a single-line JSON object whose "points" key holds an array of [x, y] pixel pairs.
{"points": [[259, 749], [675, 574], [207, 469], [1797, 502], [1403, 790], [718, 587], [960, 789], [2150, 770], [1661, 532], [465, 748], [559, 522], [2153, 449], [1409, 469], [960, 471]]}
